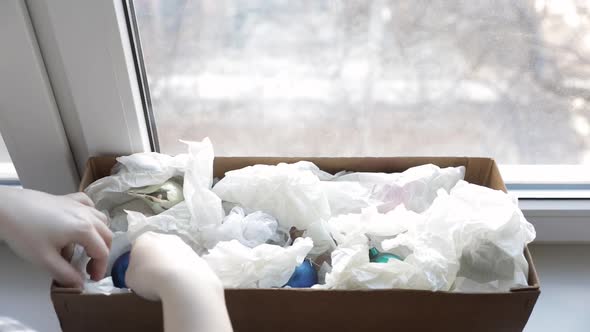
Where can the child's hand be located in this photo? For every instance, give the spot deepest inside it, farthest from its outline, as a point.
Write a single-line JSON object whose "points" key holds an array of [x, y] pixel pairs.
{"points": [[163, 267], [159, 262], [37, 226]]}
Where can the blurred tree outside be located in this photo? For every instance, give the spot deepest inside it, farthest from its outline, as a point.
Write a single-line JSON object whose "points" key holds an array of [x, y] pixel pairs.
{"points": [[508, 79]]}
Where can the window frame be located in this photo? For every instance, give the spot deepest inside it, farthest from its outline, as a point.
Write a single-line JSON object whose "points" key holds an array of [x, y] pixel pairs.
{"points": [[29, 118], [113, 97], [8, 175], [89, 59]]}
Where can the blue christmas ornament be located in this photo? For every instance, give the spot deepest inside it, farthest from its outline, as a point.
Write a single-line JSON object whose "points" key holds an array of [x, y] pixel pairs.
{"points": [[304, 276], [119, 269]]}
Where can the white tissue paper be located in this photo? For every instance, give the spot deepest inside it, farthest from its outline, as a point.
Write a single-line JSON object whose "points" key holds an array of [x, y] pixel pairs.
{"points": [[452, 236], [351, 269], [110, 194], [134, 171], [204, 206], [350, 228], [264, 266], [430, 261], [324, 269], [250, 229], [471, 240], [425, 269], [292, 193], [118, 216], [415, 188], [104, 286], [320, 234], [79, 259], [200, 220], [356, 233], [160, 197], [348, 196], [305, 165], [490, 234], [176, 220]]}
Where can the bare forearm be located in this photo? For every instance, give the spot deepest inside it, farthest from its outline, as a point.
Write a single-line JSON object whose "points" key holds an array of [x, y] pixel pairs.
{"points": [[6, 196], [192, 309], [162, 267]]}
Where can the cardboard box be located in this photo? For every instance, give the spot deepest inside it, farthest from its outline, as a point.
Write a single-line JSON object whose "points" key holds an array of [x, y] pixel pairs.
{"points": [[320, 310]]}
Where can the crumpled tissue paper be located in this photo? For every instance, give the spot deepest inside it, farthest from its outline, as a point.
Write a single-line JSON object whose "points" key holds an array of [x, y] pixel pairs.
{"points": [[264, 266], [177, 221], [204, 206], [111, 194], [416, 187], [250, 229], [292, 193], [350, 228], [452, 236], [160, 197], [470, 240], [490, 234], [135, 171], [104, 286]]}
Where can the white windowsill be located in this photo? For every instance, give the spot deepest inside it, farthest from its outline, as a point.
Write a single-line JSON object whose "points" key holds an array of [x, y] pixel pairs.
{"points": [[546, 174]]}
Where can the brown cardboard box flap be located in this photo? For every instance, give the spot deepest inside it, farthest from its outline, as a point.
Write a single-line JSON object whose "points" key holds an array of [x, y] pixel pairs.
{"points": [[478, 170]]}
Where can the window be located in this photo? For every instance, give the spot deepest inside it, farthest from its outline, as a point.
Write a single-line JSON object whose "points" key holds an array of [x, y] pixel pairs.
{"points": [[507, 79]]}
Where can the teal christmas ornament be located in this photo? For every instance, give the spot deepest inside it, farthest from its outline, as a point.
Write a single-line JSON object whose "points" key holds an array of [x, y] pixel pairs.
{"points": [[304, 276], [381, 257], [119, 269]]}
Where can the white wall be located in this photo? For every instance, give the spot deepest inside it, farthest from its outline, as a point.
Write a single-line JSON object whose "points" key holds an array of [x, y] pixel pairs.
{"points": [[564, 304], [24, 293]]}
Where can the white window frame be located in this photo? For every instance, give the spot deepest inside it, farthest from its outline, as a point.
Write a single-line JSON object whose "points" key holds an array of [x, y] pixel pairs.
{"points": [[29, 119], [8, 175], [88, 55]]}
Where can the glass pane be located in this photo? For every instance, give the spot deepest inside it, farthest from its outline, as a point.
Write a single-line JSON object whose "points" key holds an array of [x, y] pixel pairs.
{"points": [[508, 79]]}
